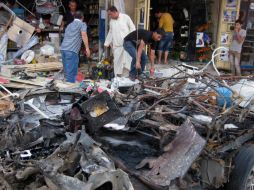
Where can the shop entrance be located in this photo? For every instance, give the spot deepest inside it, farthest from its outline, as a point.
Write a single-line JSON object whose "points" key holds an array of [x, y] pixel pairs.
{"points": [[190, 17]]}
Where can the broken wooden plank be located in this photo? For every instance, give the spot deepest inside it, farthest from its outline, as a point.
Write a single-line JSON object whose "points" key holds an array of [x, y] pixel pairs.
{"points": [[9, 70], [39, 81], [20, 32], [19, 85], [51, 66]]}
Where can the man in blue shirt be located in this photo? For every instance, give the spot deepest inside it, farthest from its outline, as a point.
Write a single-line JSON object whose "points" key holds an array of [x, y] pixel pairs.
{"points": [[75, 33]]}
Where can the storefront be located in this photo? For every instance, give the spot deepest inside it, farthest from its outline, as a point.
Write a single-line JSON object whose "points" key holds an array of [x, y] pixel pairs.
{"points": [[247, 16], [200, 26]]}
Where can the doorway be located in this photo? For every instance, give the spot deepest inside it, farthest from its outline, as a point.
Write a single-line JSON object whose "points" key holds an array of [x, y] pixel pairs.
{"points": [[190, 17]]}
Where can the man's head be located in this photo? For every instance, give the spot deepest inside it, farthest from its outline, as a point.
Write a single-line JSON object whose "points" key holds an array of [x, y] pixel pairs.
{"points": [[79, 15], [158, 13], [113, 12], [158, 34], [238, 24], [73, 5]]}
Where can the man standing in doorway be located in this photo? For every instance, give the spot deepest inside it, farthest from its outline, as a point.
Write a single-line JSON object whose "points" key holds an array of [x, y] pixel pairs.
{"points": [[236, 48], [134, 44], [120, 25], [75, 33], [166, 22], [69, 16]]}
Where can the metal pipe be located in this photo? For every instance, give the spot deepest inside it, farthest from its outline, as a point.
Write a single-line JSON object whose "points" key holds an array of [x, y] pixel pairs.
{"points": [[36, 109]]}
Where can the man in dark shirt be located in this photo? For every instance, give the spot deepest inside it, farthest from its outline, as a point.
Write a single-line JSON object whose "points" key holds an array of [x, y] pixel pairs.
{"points": [[69, 15], [134, 44]]}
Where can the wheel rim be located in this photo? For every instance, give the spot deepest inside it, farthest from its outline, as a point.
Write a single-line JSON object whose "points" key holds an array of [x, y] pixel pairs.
{"points": [[250, 180]]}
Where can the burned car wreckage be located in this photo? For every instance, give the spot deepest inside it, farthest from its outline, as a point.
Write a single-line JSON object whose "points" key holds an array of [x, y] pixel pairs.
{"points": [[180, 132]]}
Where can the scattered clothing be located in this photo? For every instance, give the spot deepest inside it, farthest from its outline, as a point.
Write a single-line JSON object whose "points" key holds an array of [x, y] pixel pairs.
{"points": [[118, 29]]}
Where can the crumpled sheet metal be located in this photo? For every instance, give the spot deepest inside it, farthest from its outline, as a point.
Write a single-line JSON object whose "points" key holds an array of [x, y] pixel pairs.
{"points": [[185, 148], [99, 110], [64, 182], [93, 159], [118, 178]]}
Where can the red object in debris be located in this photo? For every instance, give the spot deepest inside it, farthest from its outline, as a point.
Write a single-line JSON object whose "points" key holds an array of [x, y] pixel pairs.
{"points": [[19, 62], [80, 77], [100, 90], [4, 81]]}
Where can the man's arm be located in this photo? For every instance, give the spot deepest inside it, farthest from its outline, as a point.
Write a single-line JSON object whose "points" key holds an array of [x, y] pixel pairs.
{"points": [[131, 25], [152, 58], [85, 40], [240, 39], [139, 53], [62, 26], [109, 38]]}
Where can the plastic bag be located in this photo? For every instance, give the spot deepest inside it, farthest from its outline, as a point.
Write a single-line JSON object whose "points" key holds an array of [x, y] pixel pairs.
{"points": [[47, 50]]}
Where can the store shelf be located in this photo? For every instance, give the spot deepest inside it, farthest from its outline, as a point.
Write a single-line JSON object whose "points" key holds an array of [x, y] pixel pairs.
{"points": [[91, 13], [250, 41], [92, 20], [247, 53]]}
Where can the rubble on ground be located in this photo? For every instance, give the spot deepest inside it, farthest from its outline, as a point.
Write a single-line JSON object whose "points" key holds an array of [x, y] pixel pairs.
{"points": [[178, 130], [167, 132]]}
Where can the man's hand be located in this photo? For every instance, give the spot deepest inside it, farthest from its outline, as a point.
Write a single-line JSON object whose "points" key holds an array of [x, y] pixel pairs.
{"points": [[152, 71], [88, 53], [38, 30], [138, 65]]}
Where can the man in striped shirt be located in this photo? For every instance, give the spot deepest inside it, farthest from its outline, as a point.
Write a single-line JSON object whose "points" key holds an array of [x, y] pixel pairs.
{"points": [[75, 33]]}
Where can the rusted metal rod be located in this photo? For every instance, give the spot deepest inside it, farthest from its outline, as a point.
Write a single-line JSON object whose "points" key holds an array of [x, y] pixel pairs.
{"points": [[191, 101]]}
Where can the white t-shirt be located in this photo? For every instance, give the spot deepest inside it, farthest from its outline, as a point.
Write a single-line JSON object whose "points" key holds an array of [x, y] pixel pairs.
{"points": [[236, 45]]}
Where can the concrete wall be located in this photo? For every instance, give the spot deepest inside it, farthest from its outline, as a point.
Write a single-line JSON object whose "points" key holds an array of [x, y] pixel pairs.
{"points": [[224, 27], [215, 17], [130, 7]]}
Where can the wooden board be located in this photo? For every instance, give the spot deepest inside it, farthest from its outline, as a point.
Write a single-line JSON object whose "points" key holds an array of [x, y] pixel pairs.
{"points": [[8, 70], [39, 81], [19, 85], [20, 32]]}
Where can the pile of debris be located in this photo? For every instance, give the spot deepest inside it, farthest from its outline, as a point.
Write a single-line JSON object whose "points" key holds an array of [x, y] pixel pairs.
{"points": [[179, 132]]}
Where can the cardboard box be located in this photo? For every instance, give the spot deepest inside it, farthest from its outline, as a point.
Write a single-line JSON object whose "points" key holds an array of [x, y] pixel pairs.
{"points": [[20, 32]]}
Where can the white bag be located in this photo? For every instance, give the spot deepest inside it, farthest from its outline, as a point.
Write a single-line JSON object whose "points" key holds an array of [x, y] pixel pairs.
{"points": [[47, 50]]}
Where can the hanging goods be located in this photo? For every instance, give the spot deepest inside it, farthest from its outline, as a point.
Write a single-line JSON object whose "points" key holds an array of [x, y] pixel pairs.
{"points": [[47, 6]]}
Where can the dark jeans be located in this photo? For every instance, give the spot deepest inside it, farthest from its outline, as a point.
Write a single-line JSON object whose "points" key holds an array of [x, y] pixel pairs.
{"points": [[130, 47], [166, 42], [70, 65]]}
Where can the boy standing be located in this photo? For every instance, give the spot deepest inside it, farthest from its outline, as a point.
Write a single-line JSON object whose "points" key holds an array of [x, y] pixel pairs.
{"points": [[236, 48]]}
